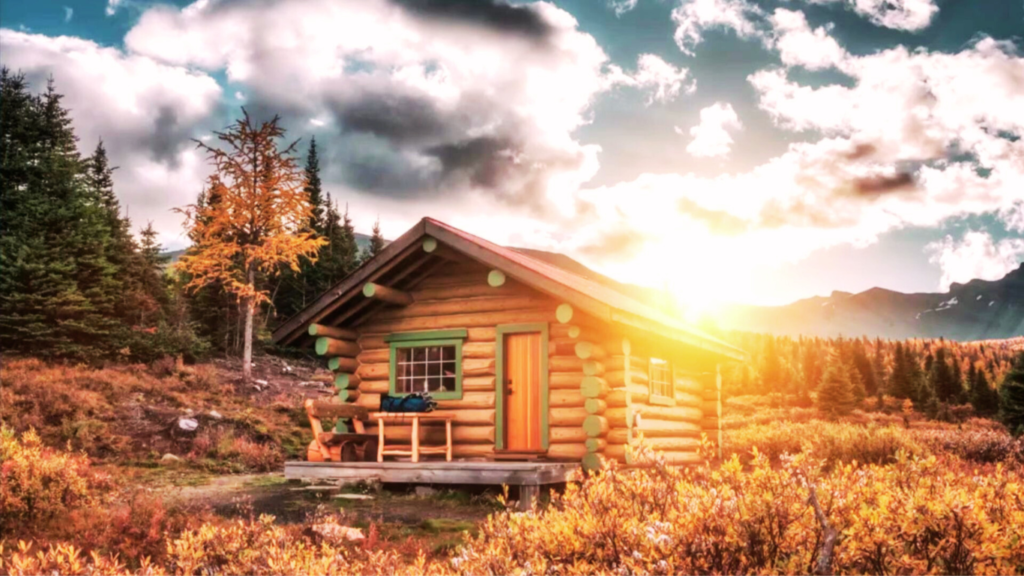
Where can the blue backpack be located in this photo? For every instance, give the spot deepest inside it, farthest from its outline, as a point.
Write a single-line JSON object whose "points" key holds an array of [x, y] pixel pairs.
{"points": [[415, 402]]}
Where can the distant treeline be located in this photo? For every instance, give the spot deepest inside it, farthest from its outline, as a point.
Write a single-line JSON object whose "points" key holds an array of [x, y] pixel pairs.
{"points": [[75, 282], [838, 374]]}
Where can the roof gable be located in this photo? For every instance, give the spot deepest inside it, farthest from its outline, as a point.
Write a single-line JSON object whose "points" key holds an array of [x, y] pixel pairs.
{"points": [[590, 293]]}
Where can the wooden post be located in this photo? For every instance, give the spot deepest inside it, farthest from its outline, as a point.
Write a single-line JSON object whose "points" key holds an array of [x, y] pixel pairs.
{"points": [[329, 346], [718, 389], [333, 332], [448, 440], [528, 494], [385, 294], [380, 439], [415, 439]]}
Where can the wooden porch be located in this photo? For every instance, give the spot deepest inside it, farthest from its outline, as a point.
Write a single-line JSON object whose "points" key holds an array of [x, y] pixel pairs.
{"points": [[528, 477]]}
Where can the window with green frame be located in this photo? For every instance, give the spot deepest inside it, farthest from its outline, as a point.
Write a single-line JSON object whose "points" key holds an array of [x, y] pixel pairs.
{"points": [[662, 388], [427, 362]]}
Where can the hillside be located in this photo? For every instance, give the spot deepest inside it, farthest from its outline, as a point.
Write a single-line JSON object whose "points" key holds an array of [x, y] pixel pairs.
{"points": [[977, 310]]}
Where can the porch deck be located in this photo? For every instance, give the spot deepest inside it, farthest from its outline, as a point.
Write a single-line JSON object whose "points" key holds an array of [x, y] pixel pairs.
{"points": [[527, 476]]}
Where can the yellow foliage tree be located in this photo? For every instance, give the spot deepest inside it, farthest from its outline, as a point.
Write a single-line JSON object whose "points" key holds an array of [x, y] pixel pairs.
{"points": [[254, 219]]}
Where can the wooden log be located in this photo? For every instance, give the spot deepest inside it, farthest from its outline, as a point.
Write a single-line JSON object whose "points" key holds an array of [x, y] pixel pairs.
{"points": [[565, 364], [594, 387], [688, 399], [711, 409], [434, 433], [595, 406], [591, 462], [621, 417], [458, 450], [324, 377], [618, 362], [464, 417], [345, 381], [495, 278], [564, 313], [710, 423], [348, 395], [709, 393], [460, 306], [373, 371], [595, 444], [343, 364], [469, 400], [487, 319], [478, 367], [618, 451], [688, 384], [565, 398], [566, 451], [617, 379], [564, 331], [566, 434], [585, 350], [653, 427], [565, 380], [488, 334], [474, 290], [386, 294], [565, 347], [566, 416], [469, 350], [375, 386], [332, 332], [593, 368], [371, 401], [617, 397], [595, 426], [479, 384]]}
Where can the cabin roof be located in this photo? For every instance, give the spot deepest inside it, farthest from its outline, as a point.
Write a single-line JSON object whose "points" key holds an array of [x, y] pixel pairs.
{"points": [[569, 281]]}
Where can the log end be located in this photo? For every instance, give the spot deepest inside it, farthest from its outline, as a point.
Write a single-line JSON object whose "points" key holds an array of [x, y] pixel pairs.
{"points": [[429, 244], [495, 278], [563, 313]]}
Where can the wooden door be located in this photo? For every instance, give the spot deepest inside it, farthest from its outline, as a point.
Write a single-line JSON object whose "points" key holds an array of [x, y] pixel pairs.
{"points": [[523, 403]]}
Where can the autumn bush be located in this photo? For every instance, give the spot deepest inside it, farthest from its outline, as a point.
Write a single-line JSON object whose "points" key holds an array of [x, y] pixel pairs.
{"points": [[832, 442], [38, 484]]}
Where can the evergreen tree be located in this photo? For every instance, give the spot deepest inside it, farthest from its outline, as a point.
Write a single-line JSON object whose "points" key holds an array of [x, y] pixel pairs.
{"points": [[376, 243], [1011, 398], [901, 382], [58, 287], [984, 398], [864, 369], [941, 378], [835, 393], [314, 189]]}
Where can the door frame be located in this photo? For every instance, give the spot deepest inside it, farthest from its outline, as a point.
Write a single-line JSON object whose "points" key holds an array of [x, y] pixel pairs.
{"points": [[499, 365]]}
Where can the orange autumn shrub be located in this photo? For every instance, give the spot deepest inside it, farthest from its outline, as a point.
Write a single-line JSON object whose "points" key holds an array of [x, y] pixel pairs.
{"points": [[39, 484], [832, 442]]}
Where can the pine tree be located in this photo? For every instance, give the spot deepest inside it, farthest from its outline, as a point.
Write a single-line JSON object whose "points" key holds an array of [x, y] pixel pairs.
{"points": [[984, 398], [1011, 398], [901, 381], [835, 393], [58, 287], [941, 378], [376, 243]]}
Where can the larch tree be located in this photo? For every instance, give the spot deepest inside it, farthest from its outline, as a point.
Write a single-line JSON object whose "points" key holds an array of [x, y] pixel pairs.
{"points": [[259, 223]]}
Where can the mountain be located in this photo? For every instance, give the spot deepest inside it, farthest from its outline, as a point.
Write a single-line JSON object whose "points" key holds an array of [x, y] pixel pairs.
{"points": [[977, 310], [362, 240]]}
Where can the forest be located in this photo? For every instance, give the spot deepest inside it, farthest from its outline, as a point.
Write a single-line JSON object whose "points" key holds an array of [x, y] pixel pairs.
{"points": [[844, 455]]}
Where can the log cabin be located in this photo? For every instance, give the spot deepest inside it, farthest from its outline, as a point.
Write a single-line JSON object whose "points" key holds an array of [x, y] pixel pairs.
{"points": [[533, 356]]}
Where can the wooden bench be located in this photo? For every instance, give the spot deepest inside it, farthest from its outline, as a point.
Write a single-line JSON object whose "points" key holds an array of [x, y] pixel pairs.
{"points": [[415, 418], [339, 446]]}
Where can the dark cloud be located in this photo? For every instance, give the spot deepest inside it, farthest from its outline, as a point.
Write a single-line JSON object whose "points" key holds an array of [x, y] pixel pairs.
{"points": [[879, 185], [399, 118], [482, 160], [494, 14]]}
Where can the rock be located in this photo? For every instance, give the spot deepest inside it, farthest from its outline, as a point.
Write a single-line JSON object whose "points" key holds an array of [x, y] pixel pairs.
{"points": [[215, 415], [263, 383], [169, 459], [336, 532], [286, 369], [425, 491], [355, 496], [188, 424]]}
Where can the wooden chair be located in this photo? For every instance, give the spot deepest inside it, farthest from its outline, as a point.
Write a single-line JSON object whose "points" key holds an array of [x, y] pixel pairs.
{"points": [[339, 447]]}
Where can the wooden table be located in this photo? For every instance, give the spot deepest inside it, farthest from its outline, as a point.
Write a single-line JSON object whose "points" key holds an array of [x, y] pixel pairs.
{"points": [[415, 418]]}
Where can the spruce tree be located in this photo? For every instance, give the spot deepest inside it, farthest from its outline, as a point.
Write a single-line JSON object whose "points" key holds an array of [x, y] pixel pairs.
{"points": [[901, 381], [376, 243], [984, 398], [1011, 398], [58, 287], [835, 393], [941, 379]]}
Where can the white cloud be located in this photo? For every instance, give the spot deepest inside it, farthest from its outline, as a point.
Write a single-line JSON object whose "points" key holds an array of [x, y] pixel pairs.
{"points": [[622, 6], [799, 45], [662, 81], [69, 12], [975, 256], [113, 6], [694, 17], [909, 15], [711, 137], [144, 111]]}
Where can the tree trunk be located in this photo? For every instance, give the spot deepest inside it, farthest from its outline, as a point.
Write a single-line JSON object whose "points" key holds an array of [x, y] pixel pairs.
{"points": [[247, 349]]}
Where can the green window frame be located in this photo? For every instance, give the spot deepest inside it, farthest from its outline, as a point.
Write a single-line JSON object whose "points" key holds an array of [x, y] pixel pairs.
{"points": [[661, 382], [407, 340]]}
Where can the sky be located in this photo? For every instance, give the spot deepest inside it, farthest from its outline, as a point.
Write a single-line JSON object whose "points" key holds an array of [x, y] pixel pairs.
{"points": [[725, 150]]}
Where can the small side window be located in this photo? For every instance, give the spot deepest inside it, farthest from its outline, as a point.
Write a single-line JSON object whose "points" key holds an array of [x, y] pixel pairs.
{"points": [[662, 388]]}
